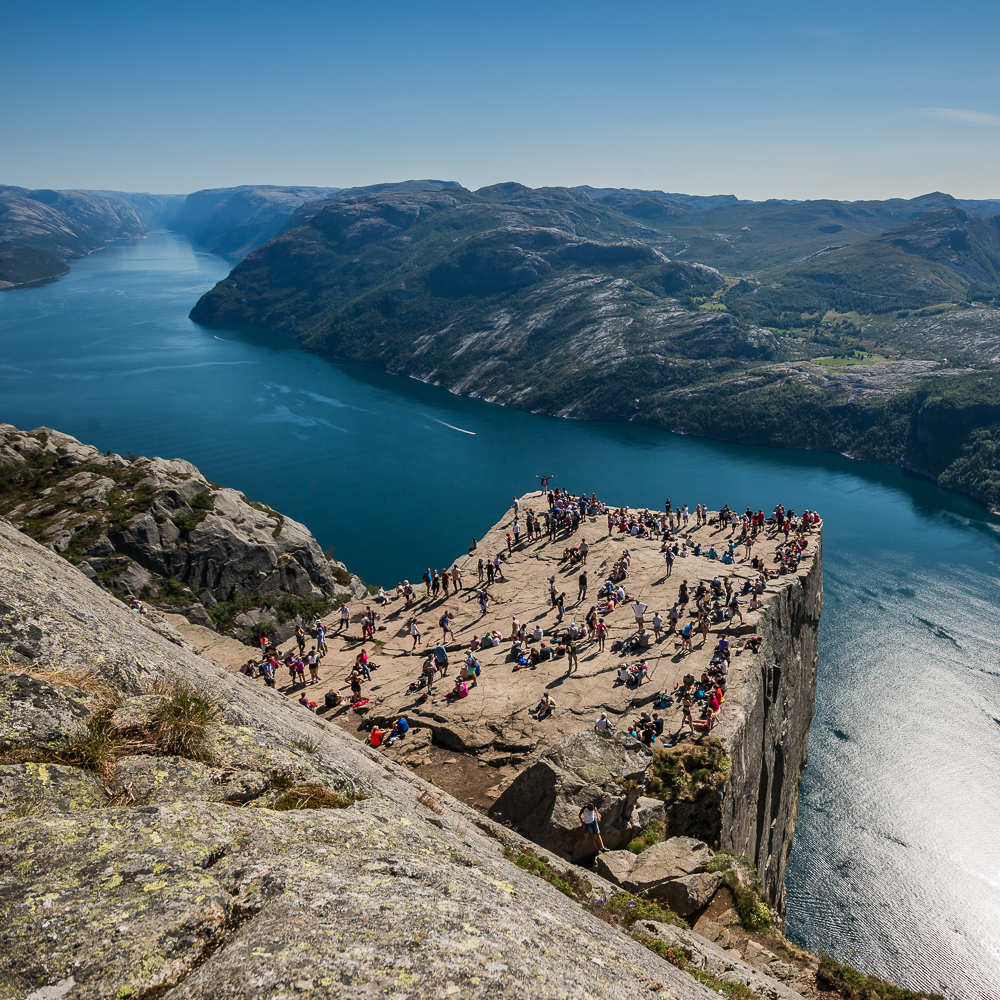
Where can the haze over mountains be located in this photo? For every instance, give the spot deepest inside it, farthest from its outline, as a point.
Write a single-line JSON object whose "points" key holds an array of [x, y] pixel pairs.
{"points": [[40, 230]]}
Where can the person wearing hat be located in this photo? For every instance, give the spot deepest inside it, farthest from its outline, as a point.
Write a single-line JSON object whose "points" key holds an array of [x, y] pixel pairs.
{"points": [[603, 724]]}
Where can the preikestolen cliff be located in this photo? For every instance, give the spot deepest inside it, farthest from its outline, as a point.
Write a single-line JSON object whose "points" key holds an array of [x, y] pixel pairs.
{"points": [[180, 803]]}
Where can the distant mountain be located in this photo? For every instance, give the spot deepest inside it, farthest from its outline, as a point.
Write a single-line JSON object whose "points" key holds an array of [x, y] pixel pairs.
{"points": [[462, 287], [231, 222], [26, 265], [155, 210], [941, 256], [41, 229]]}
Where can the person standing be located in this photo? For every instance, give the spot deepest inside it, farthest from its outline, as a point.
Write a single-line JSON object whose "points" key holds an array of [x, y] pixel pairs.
{"points": [[590, 819], [584, 549], [456, 578], [583, 586], [345, 617], [446, 627], [415, 632], [517, 532], [561, 605], [300, 639], [445, 581], [571, 653], [602, 634], [517, 508], [321, 637], [639, 610]]}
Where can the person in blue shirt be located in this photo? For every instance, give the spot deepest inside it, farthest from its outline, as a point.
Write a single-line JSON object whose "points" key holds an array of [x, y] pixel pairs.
{"points": [[441, 660]]}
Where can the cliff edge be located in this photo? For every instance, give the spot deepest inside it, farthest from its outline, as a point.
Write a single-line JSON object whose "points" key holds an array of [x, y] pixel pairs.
{"points": [[170, 831]]}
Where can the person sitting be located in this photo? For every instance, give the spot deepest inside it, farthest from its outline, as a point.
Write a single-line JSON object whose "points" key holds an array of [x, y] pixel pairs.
{"points": [[333, 698], [306, 703], [544, 652], [603, 724], [475, 644], [712, 553], [400, 728], [461, 690], [375, 737], [546, 707]]}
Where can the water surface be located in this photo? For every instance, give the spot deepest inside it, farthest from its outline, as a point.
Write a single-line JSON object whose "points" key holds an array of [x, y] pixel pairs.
{"points": [[896, 864]]}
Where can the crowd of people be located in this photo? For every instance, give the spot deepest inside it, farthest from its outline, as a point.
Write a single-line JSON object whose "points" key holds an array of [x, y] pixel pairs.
{"points": [[696, 610]]}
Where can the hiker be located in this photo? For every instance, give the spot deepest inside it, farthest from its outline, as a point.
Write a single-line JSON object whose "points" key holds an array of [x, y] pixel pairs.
{"points": [[571, 652], [590, 818], [415, 633], [321, 637], [441, 660], [583, 586], [428, 671], [345, 617], [300, 639], [445, 624]]}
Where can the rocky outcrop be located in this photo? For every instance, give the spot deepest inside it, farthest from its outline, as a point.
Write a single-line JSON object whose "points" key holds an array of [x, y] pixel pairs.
{"points": [[158, 529], [394, 888], [544, 801], [671, 871], [727, 966]]}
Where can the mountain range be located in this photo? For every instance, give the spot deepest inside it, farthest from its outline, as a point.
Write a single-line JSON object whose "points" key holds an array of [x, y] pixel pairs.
{"points": [[864, 328], [867, 328]]}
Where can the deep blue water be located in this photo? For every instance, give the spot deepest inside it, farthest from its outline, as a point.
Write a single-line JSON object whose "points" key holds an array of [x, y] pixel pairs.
{"points": [[896, 864]]}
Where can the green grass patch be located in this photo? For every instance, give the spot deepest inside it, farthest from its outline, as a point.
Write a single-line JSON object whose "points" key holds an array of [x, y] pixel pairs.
{"points": [[568, 882], [856, 358], [849, 983]]}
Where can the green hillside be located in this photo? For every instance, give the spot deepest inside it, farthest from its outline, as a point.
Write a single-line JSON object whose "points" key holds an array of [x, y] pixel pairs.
{"points": [[571, 302]]}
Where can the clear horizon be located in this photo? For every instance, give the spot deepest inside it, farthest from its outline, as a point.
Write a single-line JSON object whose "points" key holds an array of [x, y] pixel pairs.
{"points": [[790, 102]]}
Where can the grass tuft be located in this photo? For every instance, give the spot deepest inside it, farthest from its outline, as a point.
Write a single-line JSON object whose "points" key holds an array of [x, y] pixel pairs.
{"points": [[314, 796]]}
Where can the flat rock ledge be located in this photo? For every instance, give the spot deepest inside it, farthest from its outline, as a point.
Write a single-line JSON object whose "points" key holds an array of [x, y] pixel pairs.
{"points": [[401, 892]]}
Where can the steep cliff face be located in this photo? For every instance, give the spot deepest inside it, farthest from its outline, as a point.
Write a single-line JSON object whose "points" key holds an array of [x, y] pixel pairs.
{"points": [[768, 736]]}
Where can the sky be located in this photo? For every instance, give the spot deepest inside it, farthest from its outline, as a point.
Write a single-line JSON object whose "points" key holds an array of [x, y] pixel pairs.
{"points": [[786, 100]]}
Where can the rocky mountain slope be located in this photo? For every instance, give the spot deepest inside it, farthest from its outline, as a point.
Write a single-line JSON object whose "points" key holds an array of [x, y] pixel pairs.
{"points": [[159, 530], [40, 230], [231, 222], [170, 831]]}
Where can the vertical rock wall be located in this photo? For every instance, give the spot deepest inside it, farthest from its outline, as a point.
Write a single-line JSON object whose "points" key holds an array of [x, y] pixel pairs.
{"points": [[768, 744]]}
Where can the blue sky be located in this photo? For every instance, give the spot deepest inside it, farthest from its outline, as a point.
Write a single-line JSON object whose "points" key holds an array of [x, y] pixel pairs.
{"points": [[846, 100]]}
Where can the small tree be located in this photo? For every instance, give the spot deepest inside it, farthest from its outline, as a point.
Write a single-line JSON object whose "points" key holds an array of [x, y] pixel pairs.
{"points": [[259, 630]]}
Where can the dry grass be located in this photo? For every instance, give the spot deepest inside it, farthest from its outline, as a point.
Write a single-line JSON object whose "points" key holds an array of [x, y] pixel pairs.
{"points": [[178, 726], [425, 800], [314, 796], [80, 680], [22, 811]]}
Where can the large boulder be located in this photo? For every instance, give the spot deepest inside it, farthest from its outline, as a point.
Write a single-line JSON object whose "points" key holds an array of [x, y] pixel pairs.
{"points": [[671, 871], [34, 715], [544, 801]]}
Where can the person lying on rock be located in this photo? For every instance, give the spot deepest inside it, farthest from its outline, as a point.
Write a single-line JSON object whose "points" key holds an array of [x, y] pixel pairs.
{"points": [[590, 819]]}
